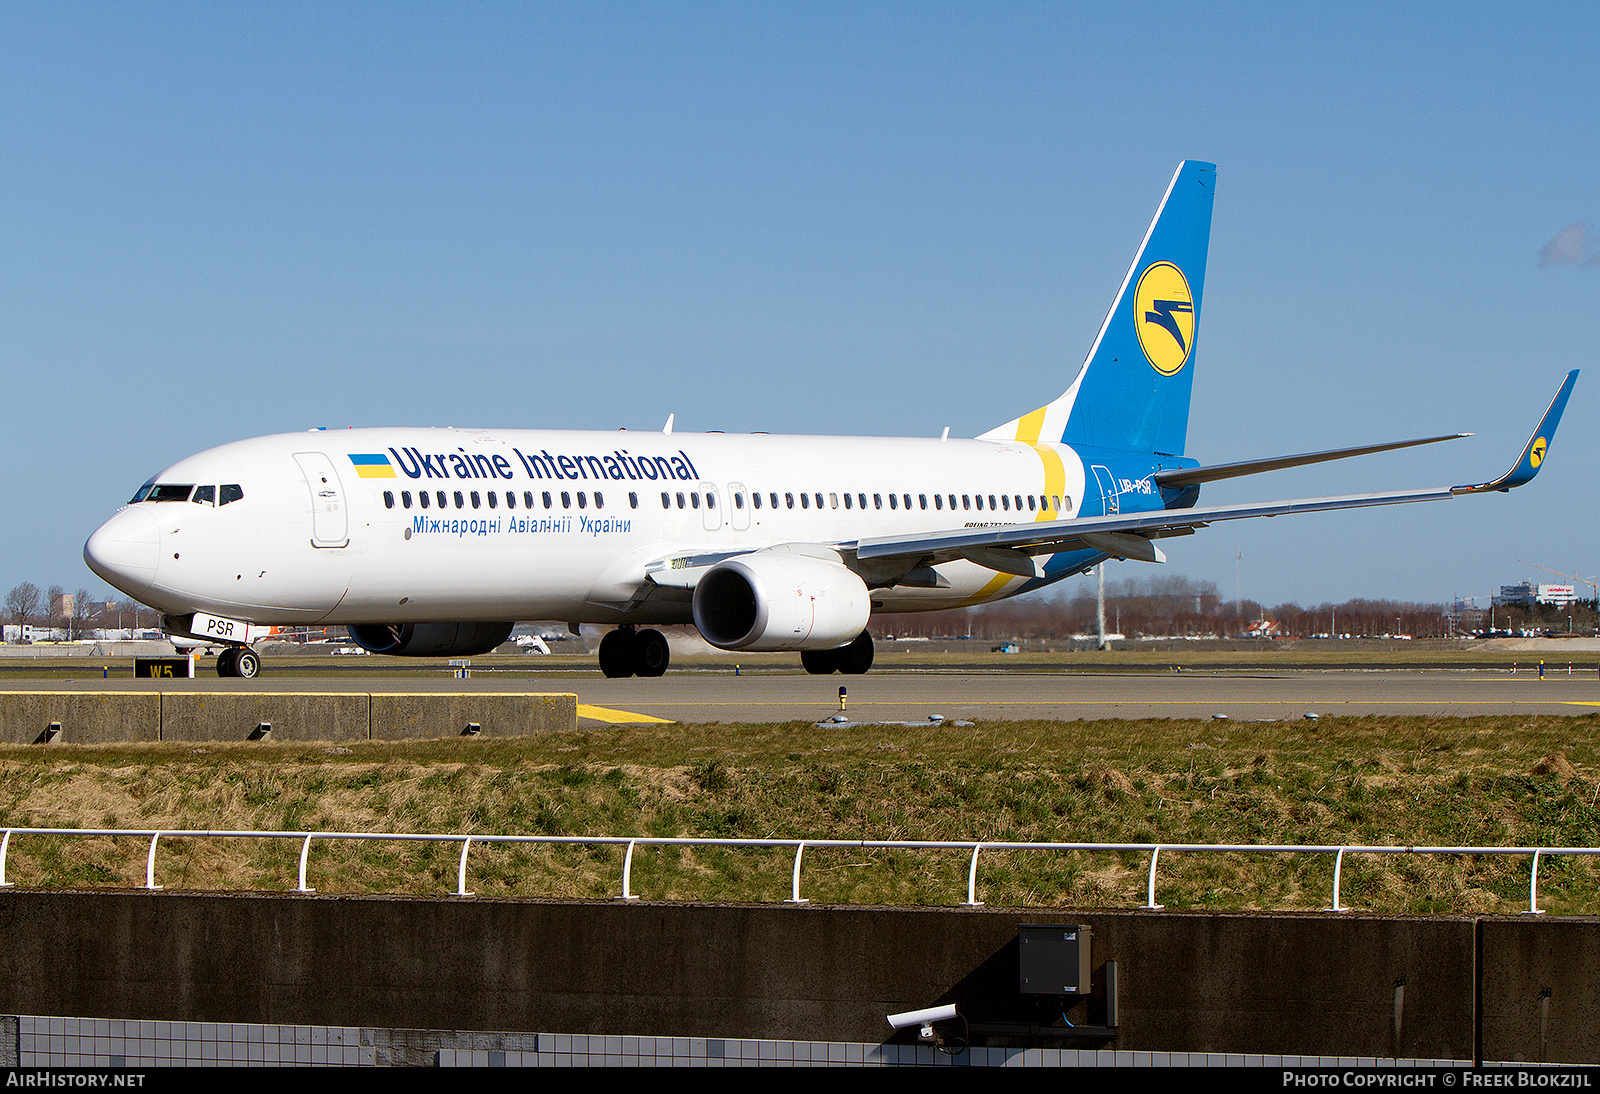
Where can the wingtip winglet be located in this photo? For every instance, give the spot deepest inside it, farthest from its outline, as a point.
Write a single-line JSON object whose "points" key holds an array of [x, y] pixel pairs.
{"points": [[1537, 448]]}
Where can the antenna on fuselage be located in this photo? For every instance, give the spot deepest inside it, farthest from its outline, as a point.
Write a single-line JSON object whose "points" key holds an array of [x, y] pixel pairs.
{"points": [[667, 429]]}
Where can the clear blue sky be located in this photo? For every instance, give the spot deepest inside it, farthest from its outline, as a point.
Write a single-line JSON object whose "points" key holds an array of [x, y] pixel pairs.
{"points": [[224, 220]]}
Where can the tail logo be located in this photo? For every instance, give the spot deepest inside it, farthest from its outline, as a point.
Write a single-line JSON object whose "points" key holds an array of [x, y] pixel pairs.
{"points": [[1536, 453], [1163, 314]]}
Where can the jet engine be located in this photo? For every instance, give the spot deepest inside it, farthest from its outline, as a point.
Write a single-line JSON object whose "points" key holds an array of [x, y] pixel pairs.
{"points": [[429, 639], [779, 601]]}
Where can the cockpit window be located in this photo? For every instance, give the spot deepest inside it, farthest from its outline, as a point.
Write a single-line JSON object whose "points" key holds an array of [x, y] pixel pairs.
{"points": [[167, 491], [229, 492], [205, 495], [144, 492]]}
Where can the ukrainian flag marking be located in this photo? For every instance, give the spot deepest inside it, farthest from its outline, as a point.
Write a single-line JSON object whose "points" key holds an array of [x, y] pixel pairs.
{"points": [[372, 465]]}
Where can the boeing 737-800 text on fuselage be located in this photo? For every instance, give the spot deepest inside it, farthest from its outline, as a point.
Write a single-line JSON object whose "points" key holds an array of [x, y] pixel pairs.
{"points": [[434, 542]]}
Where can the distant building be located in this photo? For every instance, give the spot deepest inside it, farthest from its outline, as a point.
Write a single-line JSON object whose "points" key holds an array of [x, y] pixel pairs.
{"points": [[1528, 594]]}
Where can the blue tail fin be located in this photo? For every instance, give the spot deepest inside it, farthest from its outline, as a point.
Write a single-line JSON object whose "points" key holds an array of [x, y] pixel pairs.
{"points": [[1133, 391]]}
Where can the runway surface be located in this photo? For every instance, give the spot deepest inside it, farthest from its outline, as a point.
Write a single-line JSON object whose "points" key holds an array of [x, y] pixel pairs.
{"points": [[720, 696]]}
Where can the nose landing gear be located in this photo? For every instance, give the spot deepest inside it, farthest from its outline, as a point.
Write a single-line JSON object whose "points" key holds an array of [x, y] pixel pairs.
{"points": [[239, 661], [627, 652]]}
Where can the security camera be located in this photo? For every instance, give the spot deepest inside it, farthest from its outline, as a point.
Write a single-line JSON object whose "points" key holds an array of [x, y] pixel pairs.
{"points": [[924, 1018]]}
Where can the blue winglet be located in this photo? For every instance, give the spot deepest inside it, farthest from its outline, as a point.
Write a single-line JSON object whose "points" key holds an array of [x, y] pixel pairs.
{"points": [[1537, 448]]}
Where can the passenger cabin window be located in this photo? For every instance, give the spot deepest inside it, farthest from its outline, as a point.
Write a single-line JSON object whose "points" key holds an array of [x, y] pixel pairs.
{"points": [[790, 499], [773, 497], [230, 491], [583, 500], [633, 499], [599, 500], [422, 498], [805, 501], [711, 500], [894, 501], [527, 499], [405, 498], [938, 501], [439, 497], [566, 500], [861, 501], [1005, 503], [834, 499], [460, 501], [877, 501], [205, 495], [511, 499], [388, 499], [819, 499], [923, 500], [666, 502], [847, 501], [493, 500], [475, 499], [547, 499]]}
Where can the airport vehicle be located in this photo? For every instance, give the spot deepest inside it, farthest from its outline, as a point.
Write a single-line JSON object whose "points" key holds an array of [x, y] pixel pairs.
{"points": [[432, 542]]}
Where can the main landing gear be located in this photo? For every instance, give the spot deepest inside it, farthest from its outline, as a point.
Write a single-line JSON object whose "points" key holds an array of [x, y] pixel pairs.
{"points": [[239, 661], [627, 652], [853, 660]]}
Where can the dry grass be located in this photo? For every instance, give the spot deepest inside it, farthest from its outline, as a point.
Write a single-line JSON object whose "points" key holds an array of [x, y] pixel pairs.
{"points": [[1493, 781]]}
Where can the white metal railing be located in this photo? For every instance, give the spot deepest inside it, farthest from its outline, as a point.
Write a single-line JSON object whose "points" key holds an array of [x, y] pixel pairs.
{"points": [[630, 842]]}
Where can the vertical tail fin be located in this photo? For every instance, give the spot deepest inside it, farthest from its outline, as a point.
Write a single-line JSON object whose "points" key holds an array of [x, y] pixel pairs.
{"points": [[1133, 390]]}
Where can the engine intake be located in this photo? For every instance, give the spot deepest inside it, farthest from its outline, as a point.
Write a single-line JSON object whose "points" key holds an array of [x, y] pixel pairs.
{"points": [[777, 601], [429, 639]]}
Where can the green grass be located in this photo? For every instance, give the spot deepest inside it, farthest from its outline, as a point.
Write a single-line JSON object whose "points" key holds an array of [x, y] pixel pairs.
{"points": [[1400, 781]]}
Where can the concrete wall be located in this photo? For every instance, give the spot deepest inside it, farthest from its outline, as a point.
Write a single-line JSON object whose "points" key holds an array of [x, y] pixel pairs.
{"points": [[1273, 984], [100, 717], [85, 717]]}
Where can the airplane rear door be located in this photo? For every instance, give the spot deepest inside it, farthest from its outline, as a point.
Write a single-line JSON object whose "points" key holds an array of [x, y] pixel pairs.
{"points": [[1108, 491], [330, 525]]}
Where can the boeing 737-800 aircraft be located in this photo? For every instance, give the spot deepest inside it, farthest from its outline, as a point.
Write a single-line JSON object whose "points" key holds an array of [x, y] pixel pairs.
{"points": [[432, 542]]}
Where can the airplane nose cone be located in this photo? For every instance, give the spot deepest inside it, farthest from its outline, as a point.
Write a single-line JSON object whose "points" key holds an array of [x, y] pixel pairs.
{"points": [[123, 550]]}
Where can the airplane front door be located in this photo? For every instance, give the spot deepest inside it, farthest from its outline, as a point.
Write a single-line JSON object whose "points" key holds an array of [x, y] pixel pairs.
{"points": [[330, 524]]}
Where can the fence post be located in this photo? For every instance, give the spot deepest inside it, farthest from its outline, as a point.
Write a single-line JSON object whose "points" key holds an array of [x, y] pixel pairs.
{"points": [[972, 879], [305, 849], [627, 873], [1533, 887], [1150, 893], [150, 864], [794, 886], [461, 871]]}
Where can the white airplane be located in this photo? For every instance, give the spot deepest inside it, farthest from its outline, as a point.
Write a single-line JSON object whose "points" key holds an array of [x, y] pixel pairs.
{"points": [[433, 542]]}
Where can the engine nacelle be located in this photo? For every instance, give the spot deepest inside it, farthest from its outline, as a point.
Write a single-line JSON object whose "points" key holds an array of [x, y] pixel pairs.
{"points": [[429, 639], [771, 600]]}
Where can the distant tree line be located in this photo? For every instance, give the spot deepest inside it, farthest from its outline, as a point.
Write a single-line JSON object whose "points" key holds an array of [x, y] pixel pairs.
{"points": [[77, 614], [1178, 607]]}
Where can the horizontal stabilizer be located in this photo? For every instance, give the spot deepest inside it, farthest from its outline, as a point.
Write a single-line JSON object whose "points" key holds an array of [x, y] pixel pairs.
{"points": [[1112, 534]]}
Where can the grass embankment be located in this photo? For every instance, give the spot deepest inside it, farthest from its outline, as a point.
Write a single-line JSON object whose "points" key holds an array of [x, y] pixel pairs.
{"points": [[1492, 781]]}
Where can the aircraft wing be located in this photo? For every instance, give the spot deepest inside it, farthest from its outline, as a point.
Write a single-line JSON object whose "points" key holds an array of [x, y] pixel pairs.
{"points": [[1007, 548]]}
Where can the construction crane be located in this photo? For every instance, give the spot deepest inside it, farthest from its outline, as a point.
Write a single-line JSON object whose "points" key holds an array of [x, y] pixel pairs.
{"points": [[1589, 581]]}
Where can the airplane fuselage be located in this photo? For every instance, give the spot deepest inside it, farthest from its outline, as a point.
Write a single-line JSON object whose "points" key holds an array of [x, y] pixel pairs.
{"points": [[442, 525]]}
